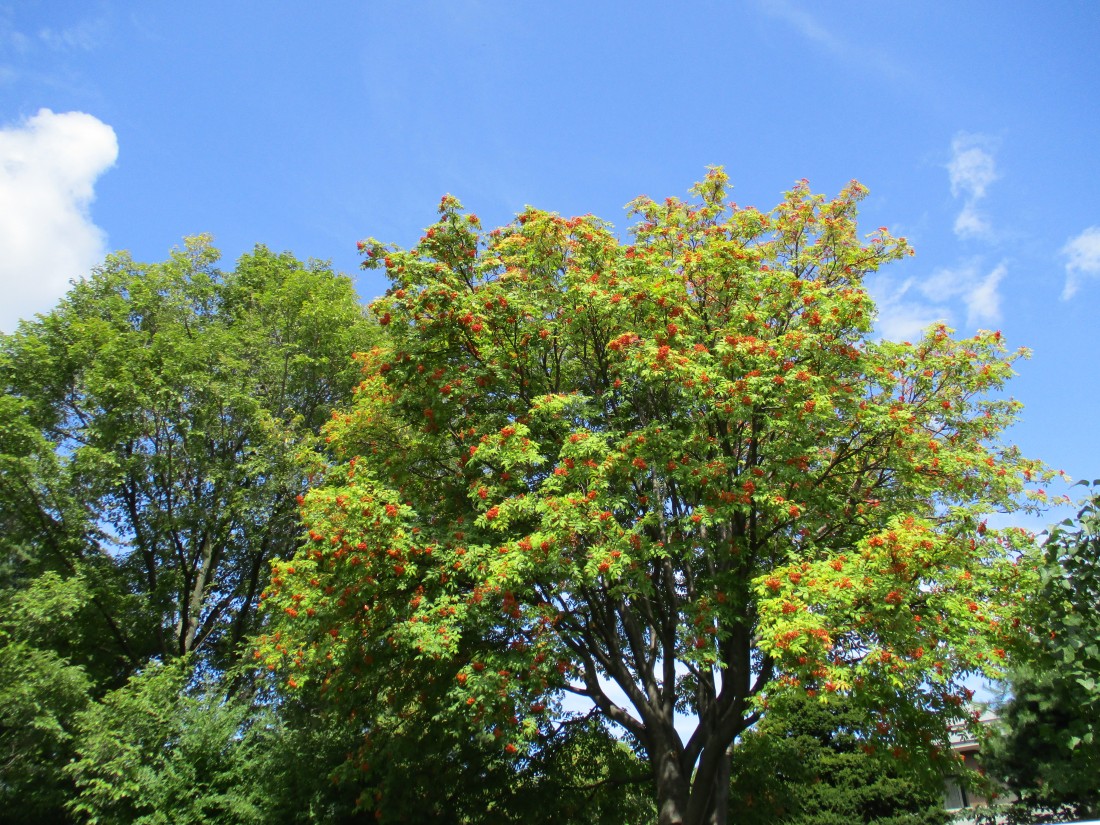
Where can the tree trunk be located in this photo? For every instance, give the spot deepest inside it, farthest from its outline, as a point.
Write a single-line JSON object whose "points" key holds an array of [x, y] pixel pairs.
{"points": [[189, 623], [673, 788], [679, 802], [720, 793]]}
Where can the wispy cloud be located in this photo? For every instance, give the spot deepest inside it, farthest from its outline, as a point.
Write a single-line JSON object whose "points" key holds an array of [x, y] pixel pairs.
{"points": [[983, 301], [967, 290], [805, 23], [11, 44], [971, 223], [813, 29], [31, 55], [978, 291], [1083, 252], [11, 39], [48, 168], [906, 309], [902, 314], [84, 36], [972, 171], [972, 166]]}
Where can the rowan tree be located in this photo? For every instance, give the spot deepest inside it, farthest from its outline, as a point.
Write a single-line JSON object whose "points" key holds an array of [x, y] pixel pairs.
{"points": [[680, 466]]}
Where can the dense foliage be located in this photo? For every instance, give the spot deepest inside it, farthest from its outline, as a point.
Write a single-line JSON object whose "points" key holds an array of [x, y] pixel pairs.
{"points": [[809, 763], [1049, 753], [167, 413], [160, 750], [41, 693], [155, 430], [675, 475]]}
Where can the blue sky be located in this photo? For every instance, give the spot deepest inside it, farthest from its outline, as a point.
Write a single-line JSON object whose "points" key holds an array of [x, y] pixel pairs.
{"points": [[308, 126]]}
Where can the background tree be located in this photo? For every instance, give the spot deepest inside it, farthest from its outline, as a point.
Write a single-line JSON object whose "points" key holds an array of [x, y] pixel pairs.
{"points": [[451, 771], [156, 429], [41, 693], [678, 465], [810, 763], [1049, 752], [160, 749], [175, 410]]}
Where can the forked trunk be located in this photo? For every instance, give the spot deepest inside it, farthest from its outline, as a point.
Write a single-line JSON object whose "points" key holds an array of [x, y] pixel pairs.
{"points": [[681, 802]]}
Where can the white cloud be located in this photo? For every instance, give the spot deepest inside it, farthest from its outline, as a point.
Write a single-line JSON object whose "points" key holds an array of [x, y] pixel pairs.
{"points": [[902, 316], [1084, 260], [972, 167], [983, 301], [48, 168], [905, 310], [972, 170], [971, 223], [967, 283], [968, 290]]}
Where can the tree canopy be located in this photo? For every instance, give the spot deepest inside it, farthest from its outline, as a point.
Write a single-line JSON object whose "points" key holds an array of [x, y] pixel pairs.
{"points": [[676, 476], [164, 417], [156, 429]]}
